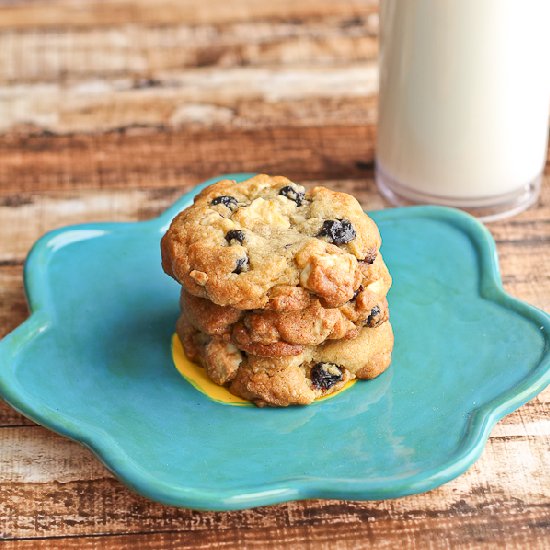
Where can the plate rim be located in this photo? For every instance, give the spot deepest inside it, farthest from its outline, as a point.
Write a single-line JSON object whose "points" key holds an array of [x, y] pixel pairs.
{"points": [[105, 447]]}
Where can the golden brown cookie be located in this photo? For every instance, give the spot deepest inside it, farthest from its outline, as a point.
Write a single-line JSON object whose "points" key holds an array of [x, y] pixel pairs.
{"points": [[276, 333], [290, 380], [246, 244], [220, 358]]}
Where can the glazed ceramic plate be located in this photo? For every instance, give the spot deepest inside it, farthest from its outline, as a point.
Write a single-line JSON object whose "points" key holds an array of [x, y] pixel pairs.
{"points": [[93, 362]]}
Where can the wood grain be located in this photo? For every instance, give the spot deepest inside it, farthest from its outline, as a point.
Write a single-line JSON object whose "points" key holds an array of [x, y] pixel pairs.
{"points": [[435, 533], [111, 110], [196, 99], [144, 52], [171, 157], [59, 14]]}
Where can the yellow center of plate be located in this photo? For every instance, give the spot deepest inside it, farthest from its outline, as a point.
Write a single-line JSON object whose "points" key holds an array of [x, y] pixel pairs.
{"points": [[196, 376]]}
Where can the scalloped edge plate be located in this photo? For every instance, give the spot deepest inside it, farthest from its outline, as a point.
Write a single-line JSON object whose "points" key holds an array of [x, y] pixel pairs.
{"points": [[114, 458]]}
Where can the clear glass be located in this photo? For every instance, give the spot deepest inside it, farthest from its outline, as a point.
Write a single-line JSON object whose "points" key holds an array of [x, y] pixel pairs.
{"points": [[464, 103]]}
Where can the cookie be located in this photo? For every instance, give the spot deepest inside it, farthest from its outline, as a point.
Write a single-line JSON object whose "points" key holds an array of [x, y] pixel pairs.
{"points": [[220, 358], [290, 380], [275, 333], [247, 244]]}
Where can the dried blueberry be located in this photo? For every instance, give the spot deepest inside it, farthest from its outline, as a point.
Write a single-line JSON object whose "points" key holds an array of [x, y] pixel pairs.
{"points": [[371, 319], [226, 200], [293, 194], [235, 235], [325, 375], [369, 257], [242, 265], [338, 231]]}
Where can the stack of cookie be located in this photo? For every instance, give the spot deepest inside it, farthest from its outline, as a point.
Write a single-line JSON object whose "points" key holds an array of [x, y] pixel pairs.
{"points": [[283, 295]]}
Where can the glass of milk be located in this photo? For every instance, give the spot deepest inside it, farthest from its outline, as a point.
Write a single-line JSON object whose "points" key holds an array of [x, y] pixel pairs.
{"points": [[464, 103]]}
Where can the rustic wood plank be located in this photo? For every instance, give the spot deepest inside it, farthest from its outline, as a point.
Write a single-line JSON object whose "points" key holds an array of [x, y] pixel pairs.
{"points": [[32, 454], [58, 488], [168, 157], [59, 14], [37, 214], [142, 51], [240, 98], [518, 533], [526, 271], [196, 99], [171, 157], [10, 417], [13, 307]]}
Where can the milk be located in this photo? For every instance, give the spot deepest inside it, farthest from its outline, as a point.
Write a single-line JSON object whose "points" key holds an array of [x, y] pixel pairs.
{"points": [[464, 98]]}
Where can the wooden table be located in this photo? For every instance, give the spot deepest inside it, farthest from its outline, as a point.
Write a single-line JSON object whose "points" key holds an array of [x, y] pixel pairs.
{"points": [[109, 111]]}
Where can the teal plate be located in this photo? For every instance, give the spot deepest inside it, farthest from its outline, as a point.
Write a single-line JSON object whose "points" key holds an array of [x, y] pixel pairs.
{"points": [[93, 363]]}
